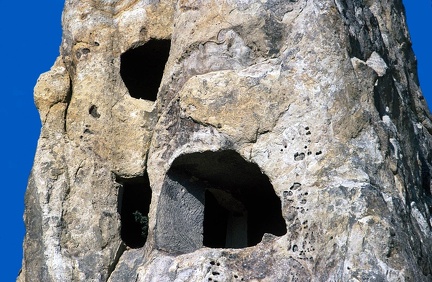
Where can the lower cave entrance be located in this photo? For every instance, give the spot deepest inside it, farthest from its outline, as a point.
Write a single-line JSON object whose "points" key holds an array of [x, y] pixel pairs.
{"points": [[217, 200], [133, 205]]}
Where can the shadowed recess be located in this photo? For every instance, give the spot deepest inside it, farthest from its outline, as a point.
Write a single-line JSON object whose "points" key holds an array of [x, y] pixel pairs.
{"points": [[142, 68], [217, 200], [133, 205]]}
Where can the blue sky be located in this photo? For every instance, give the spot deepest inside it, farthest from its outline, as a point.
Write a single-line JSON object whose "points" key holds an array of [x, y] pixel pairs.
{"points": [[30, 35]]}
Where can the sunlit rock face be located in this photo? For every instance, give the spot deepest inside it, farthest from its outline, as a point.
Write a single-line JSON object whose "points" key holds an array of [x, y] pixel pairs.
{"points": [[231, 141]]}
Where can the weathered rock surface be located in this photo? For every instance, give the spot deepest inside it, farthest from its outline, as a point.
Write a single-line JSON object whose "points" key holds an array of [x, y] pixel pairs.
{"points": [[265, 141]]}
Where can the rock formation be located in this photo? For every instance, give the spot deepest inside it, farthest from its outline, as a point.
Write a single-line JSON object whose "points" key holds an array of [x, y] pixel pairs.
{"points": [[235, 140]]}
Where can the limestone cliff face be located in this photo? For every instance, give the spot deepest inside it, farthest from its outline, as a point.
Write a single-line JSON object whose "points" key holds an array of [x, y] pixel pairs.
{"points": [[231, 141]]}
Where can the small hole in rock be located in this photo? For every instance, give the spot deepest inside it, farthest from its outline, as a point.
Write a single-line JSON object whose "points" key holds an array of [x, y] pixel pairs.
{"points": [[295, 186], [299, 156], [80, 52], [93, 111]]}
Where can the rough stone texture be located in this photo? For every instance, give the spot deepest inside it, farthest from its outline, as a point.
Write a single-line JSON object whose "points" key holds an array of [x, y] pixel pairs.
{"points": [[321, 95]]}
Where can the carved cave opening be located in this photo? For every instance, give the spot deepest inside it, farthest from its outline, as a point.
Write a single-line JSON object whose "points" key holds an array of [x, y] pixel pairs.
{"points": [[141, 68], [133, 205], [216, 200]]}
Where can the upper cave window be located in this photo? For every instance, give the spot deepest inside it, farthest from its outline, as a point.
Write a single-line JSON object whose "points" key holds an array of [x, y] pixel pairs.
{"points": [[142, 68], [217, 200], [133, 205]]}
